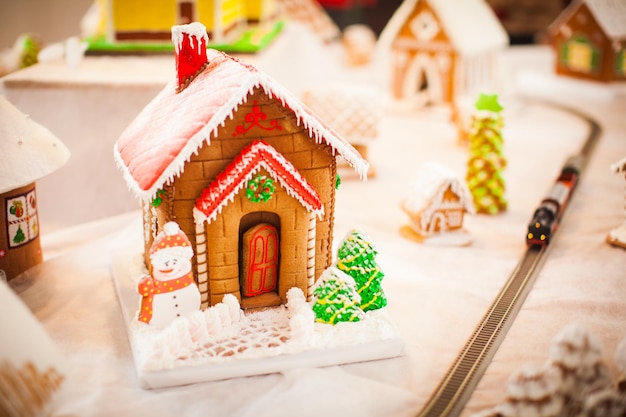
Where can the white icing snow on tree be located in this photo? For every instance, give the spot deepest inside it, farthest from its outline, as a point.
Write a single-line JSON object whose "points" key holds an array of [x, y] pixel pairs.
{"points": [[604, 403], [356, 257], [611, 401], [620, 364], [574, 382], [533, 391], [578, 355], [336, 298]]}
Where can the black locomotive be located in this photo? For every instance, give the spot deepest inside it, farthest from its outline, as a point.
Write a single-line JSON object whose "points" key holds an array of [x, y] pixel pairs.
{"points": [[543, 224], [546, 218]]}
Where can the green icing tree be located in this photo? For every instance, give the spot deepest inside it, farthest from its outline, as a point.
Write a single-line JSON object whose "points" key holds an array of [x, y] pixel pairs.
{"points": [[336, 298], [31, 46], [19, 236], [486, 161], [356, 257]]}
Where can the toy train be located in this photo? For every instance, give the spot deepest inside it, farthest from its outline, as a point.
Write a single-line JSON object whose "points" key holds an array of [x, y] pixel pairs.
{"points": [[547, 216]]}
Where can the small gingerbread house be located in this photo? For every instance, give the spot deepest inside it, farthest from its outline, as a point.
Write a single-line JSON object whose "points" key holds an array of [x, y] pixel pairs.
{"points": [[141, 20], [441, 49], [245, 169], [617, 236], [29, 152], [589, 39], [437, 201]]}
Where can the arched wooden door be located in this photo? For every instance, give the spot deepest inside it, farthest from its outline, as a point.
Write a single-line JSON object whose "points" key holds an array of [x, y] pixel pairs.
{"points": [[422, 82], [260, 260]]}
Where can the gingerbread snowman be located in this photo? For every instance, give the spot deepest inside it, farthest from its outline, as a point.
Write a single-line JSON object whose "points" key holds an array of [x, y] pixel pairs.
{"points": [[170, 291]]}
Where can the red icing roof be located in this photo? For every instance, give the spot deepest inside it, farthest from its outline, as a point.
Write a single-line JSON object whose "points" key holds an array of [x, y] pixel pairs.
{"points": [[250, 160], [170, 129]]}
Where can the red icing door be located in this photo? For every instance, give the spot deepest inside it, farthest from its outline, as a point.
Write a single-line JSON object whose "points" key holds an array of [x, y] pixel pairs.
{"points": [[260, 260]]}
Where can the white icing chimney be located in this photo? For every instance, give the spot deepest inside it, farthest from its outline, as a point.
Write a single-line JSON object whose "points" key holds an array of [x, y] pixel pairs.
{"points": [[190, 43]]}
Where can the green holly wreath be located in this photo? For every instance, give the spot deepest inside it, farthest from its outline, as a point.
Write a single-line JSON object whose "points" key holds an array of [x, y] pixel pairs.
{"points": [[158, 199], [260, 188]]}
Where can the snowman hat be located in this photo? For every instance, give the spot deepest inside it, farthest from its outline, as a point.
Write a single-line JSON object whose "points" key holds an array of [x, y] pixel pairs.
{"points": [[171, 242]]}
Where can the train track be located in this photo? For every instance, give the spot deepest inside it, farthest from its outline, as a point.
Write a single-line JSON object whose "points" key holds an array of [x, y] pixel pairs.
{"points": [[459, 382]]}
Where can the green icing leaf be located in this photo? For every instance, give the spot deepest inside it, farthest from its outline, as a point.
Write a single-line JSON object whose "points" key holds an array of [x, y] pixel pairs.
{"points": [[260, 189], [489, 103], [158, 199]]}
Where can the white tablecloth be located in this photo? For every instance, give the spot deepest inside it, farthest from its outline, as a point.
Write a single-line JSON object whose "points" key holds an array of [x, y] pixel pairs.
{"points": [[436, 294]]}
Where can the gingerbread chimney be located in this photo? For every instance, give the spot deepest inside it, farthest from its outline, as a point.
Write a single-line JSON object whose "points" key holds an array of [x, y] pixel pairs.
{"points": [[190, 43]]}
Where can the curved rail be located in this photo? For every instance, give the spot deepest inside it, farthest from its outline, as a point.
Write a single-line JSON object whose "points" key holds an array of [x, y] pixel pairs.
{"points": [[455, 389]]}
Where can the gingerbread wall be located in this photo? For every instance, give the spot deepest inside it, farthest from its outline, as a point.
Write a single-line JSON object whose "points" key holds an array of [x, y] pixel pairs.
{"points": [[313, 161], [452, 208], [579, 23], [145, 21], [439, 51], [20, 248], [132, 20], [223, 246], [445, 209]]}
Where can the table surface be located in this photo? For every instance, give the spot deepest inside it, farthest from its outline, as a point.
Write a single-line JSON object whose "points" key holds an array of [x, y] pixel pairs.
{"points": [[436, 294]]}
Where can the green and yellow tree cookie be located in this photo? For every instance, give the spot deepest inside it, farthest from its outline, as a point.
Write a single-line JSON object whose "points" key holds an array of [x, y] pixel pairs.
{"points": [[356, 257], [486, 161], [336, 298]]}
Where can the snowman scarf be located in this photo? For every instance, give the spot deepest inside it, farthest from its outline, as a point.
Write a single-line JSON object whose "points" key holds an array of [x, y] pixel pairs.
{"points": [[150, 287]]}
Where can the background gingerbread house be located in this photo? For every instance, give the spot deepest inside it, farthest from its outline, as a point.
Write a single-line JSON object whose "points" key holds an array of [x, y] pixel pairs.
{"points": [[617, 236], [141, 20], [437, 201], [230, 151], [29, 152], [312, 15], [441, 49], [353, 110], [589, 39]]}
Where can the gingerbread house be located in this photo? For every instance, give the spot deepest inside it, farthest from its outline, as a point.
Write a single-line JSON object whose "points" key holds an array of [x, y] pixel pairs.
{"points": [[29, 152], [353, 110], [141, 20], [617, 236], [247, 171], [441, 49], [437, 201], [589, 39], [260, 11], [311, 14]]}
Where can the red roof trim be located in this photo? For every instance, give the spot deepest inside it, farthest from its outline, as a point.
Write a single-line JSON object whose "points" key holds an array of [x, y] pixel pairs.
{"points": [[254, 156]]}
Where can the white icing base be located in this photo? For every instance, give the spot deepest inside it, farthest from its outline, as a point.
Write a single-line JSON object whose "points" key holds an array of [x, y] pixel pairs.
{"points": [[222, 342]]}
